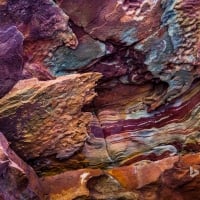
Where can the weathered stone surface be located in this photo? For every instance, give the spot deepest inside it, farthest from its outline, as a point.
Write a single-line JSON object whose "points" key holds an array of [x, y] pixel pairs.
{"points": [[132, 134], [17, 180], [172, 52], [124, 22], [139, 137], [11, 60], [69, 60], [69, 185], [166, 33], [43, 120], [175, 177], [44, 26]]}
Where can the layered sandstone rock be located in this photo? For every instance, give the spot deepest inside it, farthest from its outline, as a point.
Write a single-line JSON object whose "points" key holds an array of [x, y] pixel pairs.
{"points": [[165, 33], [134, 133], [124, 22], [43, 119]]}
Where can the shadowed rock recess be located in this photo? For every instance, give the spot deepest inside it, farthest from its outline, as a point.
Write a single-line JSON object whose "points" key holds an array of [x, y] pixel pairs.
{"points": [[100, 100]]}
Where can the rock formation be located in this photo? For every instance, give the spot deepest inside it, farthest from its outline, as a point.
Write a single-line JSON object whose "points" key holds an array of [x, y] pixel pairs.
{"points": [[169, 178], [11, 59], [18, 180], [43, 119], [100, 98]]}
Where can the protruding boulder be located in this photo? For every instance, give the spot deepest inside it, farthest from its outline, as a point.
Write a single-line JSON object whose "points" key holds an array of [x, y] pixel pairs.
{"points": [[43, 120]]}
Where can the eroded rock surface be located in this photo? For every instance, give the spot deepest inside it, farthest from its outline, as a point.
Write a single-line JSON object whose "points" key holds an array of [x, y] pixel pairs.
{"points": [[44, 26], [175, 177], [124, 22], [116, 110], [166, 33], [43, 119], [133, 134]]}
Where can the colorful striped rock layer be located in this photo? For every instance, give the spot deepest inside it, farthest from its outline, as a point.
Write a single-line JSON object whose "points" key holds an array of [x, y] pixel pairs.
{"points": [[131, 133]]}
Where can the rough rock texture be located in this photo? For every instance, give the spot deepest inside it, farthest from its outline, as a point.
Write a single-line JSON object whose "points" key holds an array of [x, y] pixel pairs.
{"points": [[115, 110], [173, 52], [124, 22], [43, 119], [17, 180], [166, 33], [132, 134], [170, 178], [44, 26]]}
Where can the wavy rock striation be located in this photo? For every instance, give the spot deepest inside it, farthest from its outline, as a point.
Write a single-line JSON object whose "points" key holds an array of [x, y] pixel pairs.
{"points": [[165, 34], [111, 107], [172, 52], [132, 134]]}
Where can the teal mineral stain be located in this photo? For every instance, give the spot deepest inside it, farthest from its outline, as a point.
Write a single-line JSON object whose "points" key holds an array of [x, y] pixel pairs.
{"points": [[129, 36], [175, 33], [169, 12], [169, 19], [66, 60], [160, 51]]}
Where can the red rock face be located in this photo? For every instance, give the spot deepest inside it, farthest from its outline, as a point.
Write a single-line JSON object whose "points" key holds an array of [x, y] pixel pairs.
{"points": [[174, 177], [127, 21], [110, 107]]}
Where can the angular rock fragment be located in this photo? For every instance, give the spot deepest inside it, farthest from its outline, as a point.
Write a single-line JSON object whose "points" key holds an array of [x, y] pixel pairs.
{"points": [[17, 180], [43, 119], [65, 60], [69, 185], [138, 139], [165, 32]]}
